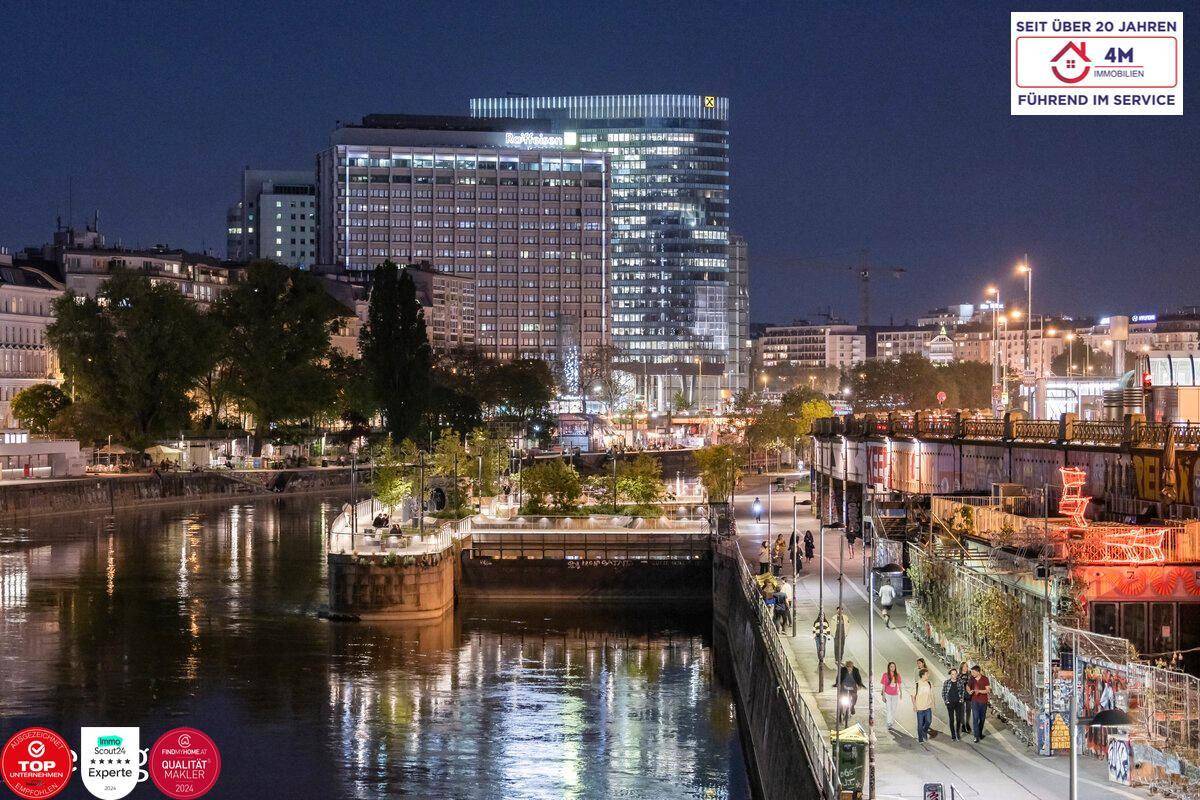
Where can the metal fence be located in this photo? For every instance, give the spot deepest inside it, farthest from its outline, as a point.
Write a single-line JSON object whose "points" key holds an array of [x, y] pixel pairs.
{"points": [[813, 736], [588, 545]]}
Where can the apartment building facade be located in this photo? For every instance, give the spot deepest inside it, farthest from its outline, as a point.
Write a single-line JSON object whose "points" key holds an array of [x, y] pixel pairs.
{"points": [[514, 208]]}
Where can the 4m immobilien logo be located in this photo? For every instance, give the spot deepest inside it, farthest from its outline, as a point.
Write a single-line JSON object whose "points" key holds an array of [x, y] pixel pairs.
{"points": [[1097, 63]]}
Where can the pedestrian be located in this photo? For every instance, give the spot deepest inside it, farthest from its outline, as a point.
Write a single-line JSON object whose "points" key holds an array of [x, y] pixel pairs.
{"points": [[757, 510], [849, 682], [887, 596], [780, 549], [793, 541], [981, 689], [921, 665], [850, 540], [891, 692], [783, 606], [764, 558], [964, 680], [809, 546], [952, 696], [922, 698]]}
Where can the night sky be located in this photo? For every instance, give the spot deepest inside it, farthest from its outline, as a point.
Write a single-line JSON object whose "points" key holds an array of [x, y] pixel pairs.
{"points": [[883, 126]]}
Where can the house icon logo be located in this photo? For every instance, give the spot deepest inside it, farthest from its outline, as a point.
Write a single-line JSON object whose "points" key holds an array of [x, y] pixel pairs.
{"points": [[1071, 65]]}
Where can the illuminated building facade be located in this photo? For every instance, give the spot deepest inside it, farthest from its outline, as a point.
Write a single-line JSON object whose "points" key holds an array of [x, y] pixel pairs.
{"points": [[671, 286], [516, 208]]}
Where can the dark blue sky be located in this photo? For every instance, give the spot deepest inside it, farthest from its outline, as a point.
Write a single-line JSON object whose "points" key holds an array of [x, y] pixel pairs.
{"points": [[882, 125]]}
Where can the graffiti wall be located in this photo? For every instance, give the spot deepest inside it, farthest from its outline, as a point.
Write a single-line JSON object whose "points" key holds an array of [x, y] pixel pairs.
{"points": [[1151, 482]]}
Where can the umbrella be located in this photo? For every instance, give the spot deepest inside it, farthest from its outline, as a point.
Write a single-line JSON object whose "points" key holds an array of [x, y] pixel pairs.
{"points": [[889, 569], [115, 450]]}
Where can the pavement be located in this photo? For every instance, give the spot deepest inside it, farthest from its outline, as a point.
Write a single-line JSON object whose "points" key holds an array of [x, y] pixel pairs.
{"points": [[1001, 767]]}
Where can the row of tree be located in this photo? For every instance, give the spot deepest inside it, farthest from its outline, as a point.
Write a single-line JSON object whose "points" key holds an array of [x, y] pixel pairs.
{"points": [[913, 382], [141, 362]]}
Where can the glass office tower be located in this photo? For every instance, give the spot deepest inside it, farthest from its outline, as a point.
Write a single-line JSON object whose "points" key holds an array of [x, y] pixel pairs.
{"points": [[670, 281]]}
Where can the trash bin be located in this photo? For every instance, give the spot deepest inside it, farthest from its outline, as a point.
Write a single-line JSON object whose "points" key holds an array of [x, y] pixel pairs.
{"points": [[850, 754]]}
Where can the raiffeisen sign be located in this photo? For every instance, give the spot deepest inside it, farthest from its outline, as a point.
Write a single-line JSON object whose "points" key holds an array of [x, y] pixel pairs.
{"points": [[535, 141]]}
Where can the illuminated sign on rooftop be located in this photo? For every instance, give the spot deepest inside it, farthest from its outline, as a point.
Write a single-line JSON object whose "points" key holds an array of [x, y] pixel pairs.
{"points": [[534, 141]]}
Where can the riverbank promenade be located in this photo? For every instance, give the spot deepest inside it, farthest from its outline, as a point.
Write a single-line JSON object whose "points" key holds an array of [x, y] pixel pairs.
{"points": [[1001, 767]]}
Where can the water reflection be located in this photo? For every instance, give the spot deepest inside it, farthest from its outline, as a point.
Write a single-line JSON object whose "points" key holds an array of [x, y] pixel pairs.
{"points": [[203, 616]]}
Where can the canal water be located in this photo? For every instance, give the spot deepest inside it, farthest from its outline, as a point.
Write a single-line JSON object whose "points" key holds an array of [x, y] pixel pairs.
{"points": [[204, 616]]}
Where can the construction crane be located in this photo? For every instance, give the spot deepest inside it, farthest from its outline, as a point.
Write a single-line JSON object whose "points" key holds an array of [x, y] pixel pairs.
{"points": [[865, 271]]}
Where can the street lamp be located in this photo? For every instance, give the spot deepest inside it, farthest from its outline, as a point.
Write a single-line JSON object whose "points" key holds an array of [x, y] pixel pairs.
{"points": [[990, 293], [1026, 270], [1070, 337]]}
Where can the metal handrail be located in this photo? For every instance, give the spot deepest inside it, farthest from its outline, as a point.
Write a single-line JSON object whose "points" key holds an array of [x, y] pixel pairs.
{"points": [[819, 751], [1038, 429], [608, 545], [983, 429]]}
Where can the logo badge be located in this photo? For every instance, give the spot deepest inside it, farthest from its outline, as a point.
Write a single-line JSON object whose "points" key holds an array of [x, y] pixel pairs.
{"points": [[184, 763], [36, 763], [710, 101], [109, 761]]}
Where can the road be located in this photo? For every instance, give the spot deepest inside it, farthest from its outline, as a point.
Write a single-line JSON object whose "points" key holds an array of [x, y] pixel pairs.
{"points": [[1001, 766]]}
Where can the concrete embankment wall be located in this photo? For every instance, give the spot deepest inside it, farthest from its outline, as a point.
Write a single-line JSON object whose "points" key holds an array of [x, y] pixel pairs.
{"points": [[559, 579], [395, 587], [126, 491], [780, 761]]}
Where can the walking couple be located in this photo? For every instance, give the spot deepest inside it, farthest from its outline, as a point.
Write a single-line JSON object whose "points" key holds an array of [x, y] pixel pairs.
{"points": [[966, 693]]}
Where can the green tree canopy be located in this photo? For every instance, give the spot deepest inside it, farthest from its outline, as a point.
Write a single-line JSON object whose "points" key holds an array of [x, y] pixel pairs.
{"points": [[555, 482], [1089, 360], [36, 406], [132, 354], [640, 481], [912, 382], [279, 321], [520, 389], [788, 421], [395, 350], [720, 469], [215, 381]]}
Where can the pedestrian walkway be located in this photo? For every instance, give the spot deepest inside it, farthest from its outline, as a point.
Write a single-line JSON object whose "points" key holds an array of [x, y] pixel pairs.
{"points": [[1001, 767]]}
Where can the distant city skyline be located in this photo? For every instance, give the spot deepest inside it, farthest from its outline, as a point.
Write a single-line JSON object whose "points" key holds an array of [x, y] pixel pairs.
{"points": [[904, 148]]}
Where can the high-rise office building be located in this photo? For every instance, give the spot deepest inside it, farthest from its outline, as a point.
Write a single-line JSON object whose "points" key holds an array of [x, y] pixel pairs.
{"points": [[737, 370], [275, 218], [510, 204], [670, 233]]}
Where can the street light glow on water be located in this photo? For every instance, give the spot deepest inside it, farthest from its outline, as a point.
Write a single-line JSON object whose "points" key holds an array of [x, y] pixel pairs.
{"points": [[203, 617]]}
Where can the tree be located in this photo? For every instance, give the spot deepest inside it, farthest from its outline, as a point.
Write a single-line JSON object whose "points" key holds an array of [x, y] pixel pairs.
{"points": [[395, 350], [215, 382], [1088, 360], [640, 481], [132, 354], [354, 401], [37, 406], [520, 389], [489, 454], [392, 479], [789, 421], [720, 470], [554, 479], [602, 378], [279, 321]]}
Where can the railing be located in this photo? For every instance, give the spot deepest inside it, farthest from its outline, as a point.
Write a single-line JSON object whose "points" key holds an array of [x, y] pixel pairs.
{"points": [[983, 429], [589, 545], [1036, 429], [1099, 431], [1147, 434], [938, 427], [812, 735]]}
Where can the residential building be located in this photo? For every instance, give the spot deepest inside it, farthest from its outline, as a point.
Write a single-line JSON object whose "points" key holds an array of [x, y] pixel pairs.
{"points": [[737, 369], [930, 342], [83, 260], [519, 210], [891, 343], [447, 300], [804, 346], [974, 342], [950, 316], [274, 218], [670, 234], [27, 296]]}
